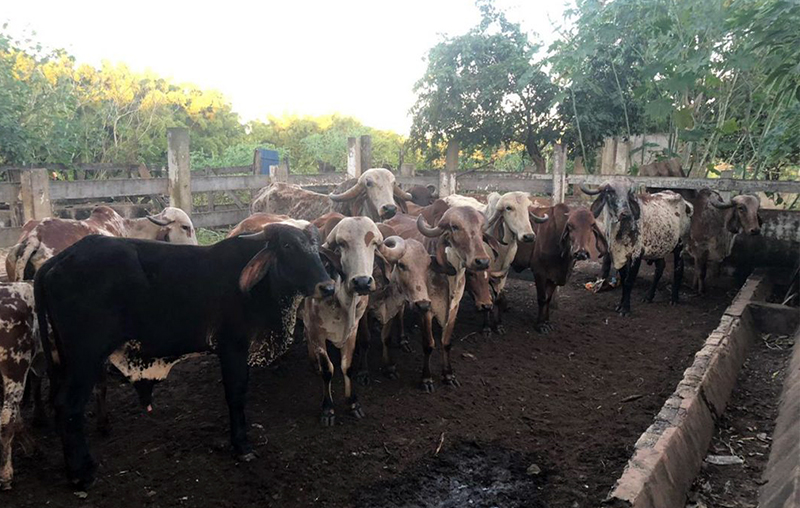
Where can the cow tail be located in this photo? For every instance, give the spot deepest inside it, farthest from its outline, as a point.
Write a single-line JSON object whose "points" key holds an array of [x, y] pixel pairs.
{"points": [[40, 299], [21, 271]]}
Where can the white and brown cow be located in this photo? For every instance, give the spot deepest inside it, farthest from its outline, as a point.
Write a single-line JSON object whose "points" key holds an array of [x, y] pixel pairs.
{"points": [[375, 194], [19, 344], [41, 240]]}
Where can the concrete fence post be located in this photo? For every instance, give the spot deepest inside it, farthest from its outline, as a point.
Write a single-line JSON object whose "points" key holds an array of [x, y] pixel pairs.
{"points": [[407, 169], [447, 178], [366, 152], [179, 168], [354, 157], [728, 175], [559, 173], [34, 193], [279, 173]]}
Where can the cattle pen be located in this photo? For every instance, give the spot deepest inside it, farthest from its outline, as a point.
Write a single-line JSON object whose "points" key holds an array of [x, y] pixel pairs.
{"points": [[621, 411]]}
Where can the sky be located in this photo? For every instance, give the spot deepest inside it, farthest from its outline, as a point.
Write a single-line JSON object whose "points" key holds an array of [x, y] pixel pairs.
{"points": [[356, 57]]}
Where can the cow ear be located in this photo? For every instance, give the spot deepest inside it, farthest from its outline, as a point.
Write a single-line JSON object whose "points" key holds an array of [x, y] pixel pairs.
{"points": [[732, 223], [256, 269], [445, 269], [760, 220], [600, 240], [331, 259], [597, 206], [493, 243], [634, 204], [383, 265]]}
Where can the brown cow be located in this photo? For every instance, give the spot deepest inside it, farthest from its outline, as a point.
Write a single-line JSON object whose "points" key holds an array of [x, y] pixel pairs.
{"points": [[19, 344], [715, 224], [257, 221], [374, 194], [567, 237], [47, 238], [456, 244]]}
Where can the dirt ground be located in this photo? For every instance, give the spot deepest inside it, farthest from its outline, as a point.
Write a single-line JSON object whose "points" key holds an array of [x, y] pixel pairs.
{"points": [[745, 430], [538, 421]]}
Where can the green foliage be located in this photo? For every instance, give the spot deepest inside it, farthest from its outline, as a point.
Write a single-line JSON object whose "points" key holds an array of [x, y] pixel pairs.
{"points": [[485, 90]]}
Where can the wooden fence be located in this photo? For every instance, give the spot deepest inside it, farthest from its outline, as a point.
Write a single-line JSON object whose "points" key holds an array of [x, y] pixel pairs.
{"points": [[221, 196]]}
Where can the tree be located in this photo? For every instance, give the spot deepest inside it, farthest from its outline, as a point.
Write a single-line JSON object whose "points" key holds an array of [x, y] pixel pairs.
{"points": [[485, 89]]}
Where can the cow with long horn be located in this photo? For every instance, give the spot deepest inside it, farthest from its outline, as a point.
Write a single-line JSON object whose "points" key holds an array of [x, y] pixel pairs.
{"points": [[715, 225]]}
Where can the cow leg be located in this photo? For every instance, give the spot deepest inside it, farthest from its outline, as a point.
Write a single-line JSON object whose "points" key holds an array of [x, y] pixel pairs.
{"points": [[39, 414], [500, 306], [677, 276], [347, 371], [428, 345], [362, 345], [448, 376], [401, 329], [100, 392], [71, 399], [542, 326], [651, 293], [700, 269], [10, 423], [487, 323], [235, 373], [389, 367], [325, 368], [628, 275]]}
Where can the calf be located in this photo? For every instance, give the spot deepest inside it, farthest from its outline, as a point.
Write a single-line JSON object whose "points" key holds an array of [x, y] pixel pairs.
{"points": [[569, 236], [349, 251], [455, 244], [374, 194], [644, 226], [44, 239], [19, 345], [715, 224], [237, 298]]}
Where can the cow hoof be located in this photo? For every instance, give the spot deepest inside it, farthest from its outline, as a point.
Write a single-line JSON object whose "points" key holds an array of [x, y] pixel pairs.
{"points": [[674, 302], [362, 378], [543, 328], [5, 484], [647, 299], [82, 485], [356, 411], [247, 457], [428, 386], [624, 312], [487, 333], [328, 418], [500, 330], [390, 371], [405, 346], [451, 380]]}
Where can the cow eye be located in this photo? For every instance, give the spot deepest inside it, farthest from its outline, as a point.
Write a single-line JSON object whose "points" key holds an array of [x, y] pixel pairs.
{"points": [[454, 227], [369, 183], [401, 266], [508, 208], [186, 228]]}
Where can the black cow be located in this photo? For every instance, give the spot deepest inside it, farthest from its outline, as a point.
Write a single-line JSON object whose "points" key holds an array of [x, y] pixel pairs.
{"points": [[147, 304]]}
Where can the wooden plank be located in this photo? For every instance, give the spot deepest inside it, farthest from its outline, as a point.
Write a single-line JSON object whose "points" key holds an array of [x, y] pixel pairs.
{"points": [[719, 184], [225, 183], [505, 181], [9, 236], [35, 194], [219, 218], [116, 187], [318, 179]]}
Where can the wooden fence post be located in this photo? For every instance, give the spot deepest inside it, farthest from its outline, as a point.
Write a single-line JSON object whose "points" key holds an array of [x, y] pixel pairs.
{"points": [[447, 178], [180, 176], [34, 192], [559, 173], [353, 157], [279, 173], [366, 152]]}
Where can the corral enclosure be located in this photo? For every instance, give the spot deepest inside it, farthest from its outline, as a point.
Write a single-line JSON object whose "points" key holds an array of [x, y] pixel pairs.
{"points": [[541, 420]]}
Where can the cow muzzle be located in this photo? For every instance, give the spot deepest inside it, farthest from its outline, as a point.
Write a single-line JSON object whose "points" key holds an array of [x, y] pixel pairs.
{"points": [[324, 289], [388, 211], [480, 264], [581, 255], [755, 231], [362, 284], [423, 305], [528, 237]]}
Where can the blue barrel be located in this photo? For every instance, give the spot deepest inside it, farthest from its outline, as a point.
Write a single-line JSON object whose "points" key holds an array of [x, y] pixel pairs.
{"points": [[268, 158]]}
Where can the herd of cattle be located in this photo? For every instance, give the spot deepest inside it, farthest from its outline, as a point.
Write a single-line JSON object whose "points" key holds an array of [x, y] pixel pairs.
{"points": [[141, 295]]}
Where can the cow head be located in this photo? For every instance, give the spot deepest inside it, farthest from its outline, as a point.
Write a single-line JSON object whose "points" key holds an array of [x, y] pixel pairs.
{"points": [[350, 247], [478, 285], [742, 214], [410, 264], [423, 196], [511, 211], [581, 232], [377, 189], [461, 230], [290, 257], [620, 201], [174, 226]]}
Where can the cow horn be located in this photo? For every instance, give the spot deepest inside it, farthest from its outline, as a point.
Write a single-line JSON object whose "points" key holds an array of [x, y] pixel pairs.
{"points": [[349, 194], [393, 248], [158, 221], [722, 206], [426, 230], [400, 193], [589, 191], [535, 218]]}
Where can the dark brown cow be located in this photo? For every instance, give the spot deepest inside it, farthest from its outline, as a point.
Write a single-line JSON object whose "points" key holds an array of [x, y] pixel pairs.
{"points": [[41, 240], [423, 196], [715, 224], [569, 236], [18, 346], [455, 244]]}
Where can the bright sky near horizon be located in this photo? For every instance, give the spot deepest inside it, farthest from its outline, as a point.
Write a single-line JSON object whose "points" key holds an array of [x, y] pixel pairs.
{"points": [[355, 57]]}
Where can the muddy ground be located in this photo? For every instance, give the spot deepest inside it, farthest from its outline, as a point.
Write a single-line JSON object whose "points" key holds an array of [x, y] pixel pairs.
{"points": [[571, 403]]}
